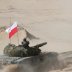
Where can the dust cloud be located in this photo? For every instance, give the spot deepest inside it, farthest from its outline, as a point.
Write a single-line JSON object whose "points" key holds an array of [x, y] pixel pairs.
{"points": [[42, 63]]}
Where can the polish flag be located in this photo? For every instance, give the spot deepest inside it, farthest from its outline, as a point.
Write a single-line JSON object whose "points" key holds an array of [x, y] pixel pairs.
{"points": [[12, 29]]}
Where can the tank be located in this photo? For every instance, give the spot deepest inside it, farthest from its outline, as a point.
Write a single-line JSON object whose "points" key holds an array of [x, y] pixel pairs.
{"points": [[31, 56], [23, 50]]}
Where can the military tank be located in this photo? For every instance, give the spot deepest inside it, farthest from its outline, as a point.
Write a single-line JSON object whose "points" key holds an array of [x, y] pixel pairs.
{"points": [[23, 50]]}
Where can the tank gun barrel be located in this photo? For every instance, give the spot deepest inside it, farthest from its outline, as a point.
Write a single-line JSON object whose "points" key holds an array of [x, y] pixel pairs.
{"points": [[40, 45]]}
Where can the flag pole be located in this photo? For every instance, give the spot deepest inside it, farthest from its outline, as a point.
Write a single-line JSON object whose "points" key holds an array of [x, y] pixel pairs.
{"points": [[10, 28], [17, 36]]}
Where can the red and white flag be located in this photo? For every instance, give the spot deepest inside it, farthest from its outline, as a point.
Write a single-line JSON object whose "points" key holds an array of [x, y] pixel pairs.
{"points": [[12, 29]]}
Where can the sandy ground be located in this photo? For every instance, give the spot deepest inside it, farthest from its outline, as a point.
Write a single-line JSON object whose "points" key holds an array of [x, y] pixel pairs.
{"points": [[51, 20]]}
